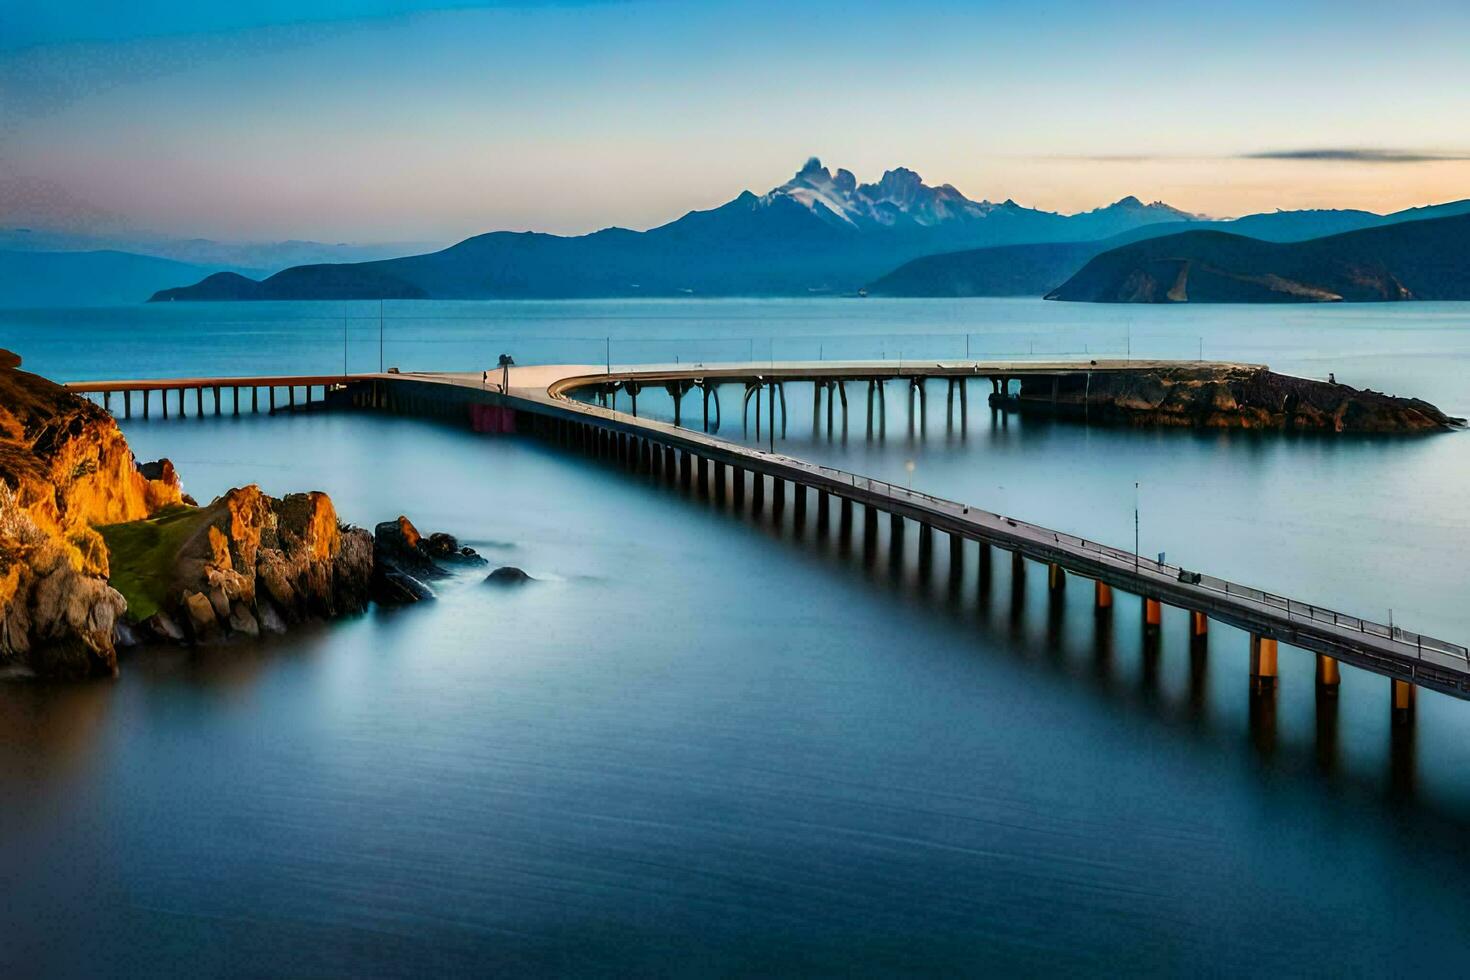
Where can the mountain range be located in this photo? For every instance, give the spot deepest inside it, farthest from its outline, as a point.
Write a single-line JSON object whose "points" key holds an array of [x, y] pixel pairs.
{"points": [[1037, 269], [1410, 260], [820, 232]]}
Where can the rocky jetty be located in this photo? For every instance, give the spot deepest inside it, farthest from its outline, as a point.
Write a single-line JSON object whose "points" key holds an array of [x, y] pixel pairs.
{"points": [[1224, 397], [98, 550]]}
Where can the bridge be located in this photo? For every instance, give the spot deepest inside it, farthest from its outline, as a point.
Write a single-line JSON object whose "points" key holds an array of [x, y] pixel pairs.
{"points": [[546, 402]]}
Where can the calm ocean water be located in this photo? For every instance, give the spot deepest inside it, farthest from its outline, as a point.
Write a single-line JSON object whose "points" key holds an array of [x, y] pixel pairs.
{"points": [[704, 743]]}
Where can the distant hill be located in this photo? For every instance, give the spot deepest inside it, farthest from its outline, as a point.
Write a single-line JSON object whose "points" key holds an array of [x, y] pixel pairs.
{"points": [[263, 257], [1034, 270], [820, 232], [101, 278], [1404, 260]]}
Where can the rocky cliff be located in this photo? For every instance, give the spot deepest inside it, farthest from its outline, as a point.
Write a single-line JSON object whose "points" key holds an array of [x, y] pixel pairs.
{"points": [[65, 468], [1232, 397], [98, 550]]}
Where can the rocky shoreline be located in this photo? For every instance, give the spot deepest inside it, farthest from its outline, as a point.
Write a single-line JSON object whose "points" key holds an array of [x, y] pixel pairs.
{"points": [[99, 551], [1223, 398]]}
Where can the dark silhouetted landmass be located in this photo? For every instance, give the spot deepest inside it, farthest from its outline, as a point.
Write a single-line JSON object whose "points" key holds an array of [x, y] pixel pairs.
{"points": [[1035, 270], [819, 233], [99, 278], [1411, 260]]}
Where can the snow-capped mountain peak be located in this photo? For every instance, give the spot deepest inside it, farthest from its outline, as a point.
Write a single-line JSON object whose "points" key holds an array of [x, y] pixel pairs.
{"points": [[900, 198]]}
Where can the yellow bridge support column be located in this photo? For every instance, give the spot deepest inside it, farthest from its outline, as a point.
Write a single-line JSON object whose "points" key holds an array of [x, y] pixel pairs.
{"points": [[1402, 693], [1102, 596], [1328, 675], [1153, 613], [1263, 661], [1199, 624], [1056, 577]]}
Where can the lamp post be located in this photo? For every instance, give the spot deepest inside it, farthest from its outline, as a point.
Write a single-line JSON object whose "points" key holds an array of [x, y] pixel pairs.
{"points": [[1135, 528]]}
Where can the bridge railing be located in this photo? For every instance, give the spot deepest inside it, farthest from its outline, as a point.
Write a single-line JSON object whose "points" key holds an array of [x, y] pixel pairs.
{"points": [[1295, 609]]}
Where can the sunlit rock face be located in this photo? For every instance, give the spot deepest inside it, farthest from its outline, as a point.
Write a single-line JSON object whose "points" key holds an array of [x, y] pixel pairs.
{"points": [[97, 549]]}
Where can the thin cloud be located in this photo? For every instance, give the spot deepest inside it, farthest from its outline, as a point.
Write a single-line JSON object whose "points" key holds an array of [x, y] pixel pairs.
{"points": [[1358, 155], [1325, 154]]}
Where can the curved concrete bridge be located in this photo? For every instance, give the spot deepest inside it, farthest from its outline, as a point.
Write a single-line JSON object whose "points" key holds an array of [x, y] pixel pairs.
{"points": [[539, 401]]}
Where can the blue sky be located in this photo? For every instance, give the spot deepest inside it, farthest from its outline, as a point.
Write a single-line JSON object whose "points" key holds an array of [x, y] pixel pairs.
{"points": [[381, 119]]}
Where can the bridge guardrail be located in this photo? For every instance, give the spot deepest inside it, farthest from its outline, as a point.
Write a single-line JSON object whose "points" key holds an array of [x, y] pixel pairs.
{"points": [[1294, 608]]}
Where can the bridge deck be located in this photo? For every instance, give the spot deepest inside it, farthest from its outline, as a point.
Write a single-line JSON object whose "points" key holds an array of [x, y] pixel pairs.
{"points": [[543, 391]]}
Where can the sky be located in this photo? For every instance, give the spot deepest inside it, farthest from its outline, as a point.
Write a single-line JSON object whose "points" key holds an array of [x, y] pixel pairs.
{"points": [[399, 120]]}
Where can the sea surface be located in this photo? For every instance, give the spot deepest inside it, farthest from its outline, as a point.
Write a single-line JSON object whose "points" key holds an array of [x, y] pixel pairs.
{"points": [[705, 742]]}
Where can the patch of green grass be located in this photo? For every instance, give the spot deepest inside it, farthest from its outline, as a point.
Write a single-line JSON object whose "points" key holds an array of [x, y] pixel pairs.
{"points": [[142, 555]]}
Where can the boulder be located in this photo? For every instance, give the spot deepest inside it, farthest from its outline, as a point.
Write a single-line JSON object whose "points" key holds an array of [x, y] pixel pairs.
{"points": [[508, 575]]}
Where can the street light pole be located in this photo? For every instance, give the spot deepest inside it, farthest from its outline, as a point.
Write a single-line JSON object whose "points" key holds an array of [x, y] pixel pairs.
{"points": [[1135, 528]]}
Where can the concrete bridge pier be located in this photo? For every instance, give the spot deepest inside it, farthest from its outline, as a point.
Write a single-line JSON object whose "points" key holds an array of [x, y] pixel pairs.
{"points": [[844, 518], [1402, 698], [960, 385], [982, 566], [1102, 598], [926, 550], [778, 496], [870, 527], [163, 401], [1018, 566], [1056, 578], [145, 402], [824, 512], [677, 390], [711, 391], [916, 386], [1199, 627], [127, 398], [1329, 676], [842, 396], [956, 558], [701, 475], [737, 486], [669, 464], [757, 492], [1263, 662], [719, 482], [686, 467], [798, 499], [895, 537], [1153, 614]]}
